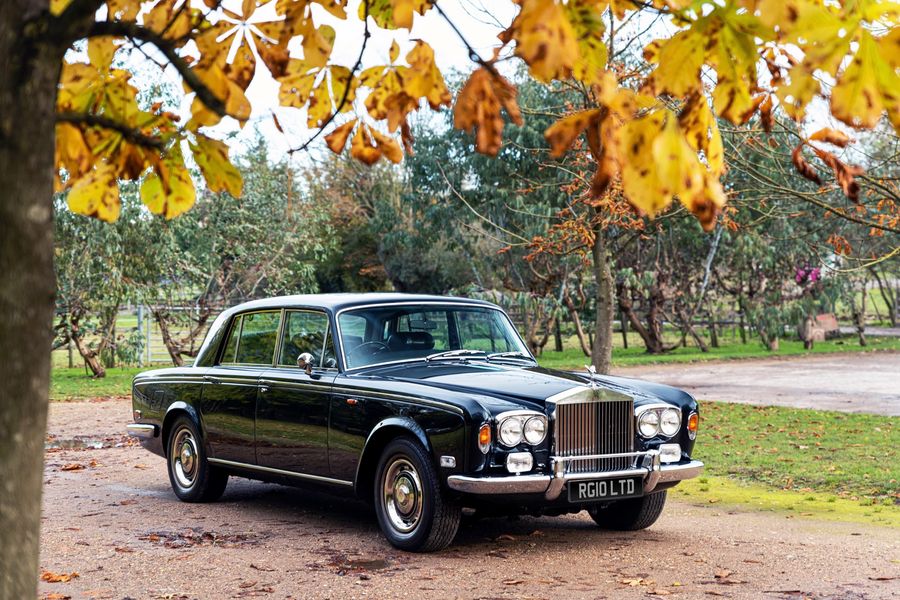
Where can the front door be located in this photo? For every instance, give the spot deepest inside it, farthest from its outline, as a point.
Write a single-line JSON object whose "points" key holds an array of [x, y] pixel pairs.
{"points": [[293, 408], [230, 388]]}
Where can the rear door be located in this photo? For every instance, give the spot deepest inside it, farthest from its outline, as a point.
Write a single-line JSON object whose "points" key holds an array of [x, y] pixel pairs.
{"points": [[293, 409], [231, 386]]}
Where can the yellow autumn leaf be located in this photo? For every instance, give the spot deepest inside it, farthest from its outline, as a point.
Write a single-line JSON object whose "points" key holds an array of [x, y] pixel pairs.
{"points": [[96, 194], [297, 83], [388, 146], [867, 87], [123, 10], [478, 106], [702, 132], [363, 147], [318, 42], [337, 139], [678, 64], [169, 190], [394, 52], [640, 178], [72, 153], [677, 166], [218, 171], [707, 203], [586, 17], [545, 39], [101, 51], [58, 6], [562, 134], [424, 79], [391, 14], [236, 104]]}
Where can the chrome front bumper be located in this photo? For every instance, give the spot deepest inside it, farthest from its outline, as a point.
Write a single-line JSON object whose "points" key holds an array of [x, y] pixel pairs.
{"points": [[651, 470], [141, 430]]}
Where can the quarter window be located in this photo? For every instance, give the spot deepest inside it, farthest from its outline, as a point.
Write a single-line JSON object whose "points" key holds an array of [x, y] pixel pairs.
{"points": [[259, 332], [231, 345]]}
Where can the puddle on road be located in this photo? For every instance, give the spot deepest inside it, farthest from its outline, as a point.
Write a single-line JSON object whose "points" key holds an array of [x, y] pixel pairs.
{"points": [[364, 564], [85, 443]]}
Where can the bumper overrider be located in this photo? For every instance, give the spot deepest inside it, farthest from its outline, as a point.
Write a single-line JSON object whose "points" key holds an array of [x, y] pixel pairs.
{"points": [[647, 466]]}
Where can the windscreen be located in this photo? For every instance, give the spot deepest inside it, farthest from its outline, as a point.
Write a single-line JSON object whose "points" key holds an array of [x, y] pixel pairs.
{"points": [[386, 334]]}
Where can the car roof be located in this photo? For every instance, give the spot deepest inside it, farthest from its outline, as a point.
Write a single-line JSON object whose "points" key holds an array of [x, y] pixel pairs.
{"points": [[338, 302]]}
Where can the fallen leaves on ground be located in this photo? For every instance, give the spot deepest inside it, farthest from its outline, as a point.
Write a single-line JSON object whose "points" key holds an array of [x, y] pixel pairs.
{"points": [[72, 467], [51, 577]]}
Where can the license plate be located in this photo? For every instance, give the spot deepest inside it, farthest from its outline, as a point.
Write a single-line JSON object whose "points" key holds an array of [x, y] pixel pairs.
{"points": [[605, 489]]}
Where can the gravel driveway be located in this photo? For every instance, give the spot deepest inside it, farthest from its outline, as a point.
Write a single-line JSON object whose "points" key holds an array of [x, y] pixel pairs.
{"points": [[861, 382], [110, 517]]}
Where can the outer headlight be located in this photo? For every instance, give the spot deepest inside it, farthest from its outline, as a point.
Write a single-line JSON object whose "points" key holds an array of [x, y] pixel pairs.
{"points": [[670, 422], [648, 423], [510, 431], [535, 429]]}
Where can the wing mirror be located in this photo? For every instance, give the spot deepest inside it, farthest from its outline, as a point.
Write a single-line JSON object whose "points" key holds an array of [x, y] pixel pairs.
{"points": [[305, 362]]}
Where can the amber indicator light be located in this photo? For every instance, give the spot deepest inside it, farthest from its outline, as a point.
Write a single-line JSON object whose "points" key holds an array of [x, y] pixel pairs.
{"points": [[484, 436], [693, 422]]}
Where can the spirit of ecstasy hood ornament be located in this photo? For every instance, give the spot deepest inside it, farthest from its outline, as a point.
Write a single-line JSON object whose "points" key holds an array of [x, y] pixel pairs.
{"points": [[592, 370]]}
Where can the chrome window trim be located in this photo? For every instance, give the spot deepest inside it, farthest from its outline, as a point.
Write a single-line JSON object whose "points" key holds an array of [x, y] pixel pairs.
{"points": [[279, 349], [337, 321], [237, 349]]}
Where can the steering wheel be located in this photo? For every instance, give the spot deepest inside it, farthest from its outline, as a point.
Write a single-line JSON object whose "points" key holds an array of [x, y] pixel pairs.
{"points": [[370, 348]]}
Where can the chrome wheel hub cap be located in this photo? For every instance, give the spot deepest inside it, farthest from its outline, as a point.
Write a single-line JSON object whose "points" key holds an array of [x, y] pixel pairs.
{"points": [[184, 458], [402, 495]]}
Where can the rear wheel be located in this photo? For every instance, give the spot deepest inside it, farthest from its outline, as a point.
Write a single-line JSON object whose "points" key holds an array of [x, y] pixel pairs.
{"points": [[629, 515], [193, 479], [412, 510]]}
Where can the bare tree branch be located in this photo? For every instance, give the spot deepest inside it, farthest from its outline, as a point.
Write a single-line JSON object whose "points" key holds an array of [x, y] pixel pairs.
{"points": [[132, 135]]}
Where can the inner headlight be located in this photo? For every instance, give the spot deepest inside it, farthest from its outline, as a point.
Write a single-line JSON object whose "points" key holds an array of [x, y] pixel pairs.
{"points": [[535, 429], [511, 431], [670, 422], [648, 423]]}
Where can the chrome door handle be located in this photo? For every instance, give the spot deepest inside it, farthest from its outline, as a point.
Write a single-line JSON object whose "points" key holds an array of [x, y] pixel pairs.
{"points": [[263, 389], [210, 379]]}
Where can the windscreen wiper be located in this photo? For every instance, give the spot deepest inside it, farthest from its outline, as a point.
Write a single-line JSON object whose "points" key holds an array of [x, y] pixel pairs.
{"points": [[512, 354], [454, 354]]}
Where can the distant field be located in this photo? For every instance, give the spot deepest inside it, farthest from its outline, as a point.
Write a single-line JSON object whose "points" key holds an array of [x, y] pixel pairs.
{"points": [[572, 358]]}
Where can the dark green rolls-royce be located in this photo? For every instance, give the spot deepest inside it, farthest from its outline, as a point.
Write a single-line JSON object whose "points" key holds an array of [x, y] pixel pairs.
{"points": [[423, 405]]}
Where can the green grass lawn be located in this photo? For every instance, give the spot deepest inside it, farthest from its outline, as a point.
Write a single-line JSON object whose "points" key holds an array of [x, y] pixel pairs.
{"points": [[73, 384], [848, 455], [572, 358]]}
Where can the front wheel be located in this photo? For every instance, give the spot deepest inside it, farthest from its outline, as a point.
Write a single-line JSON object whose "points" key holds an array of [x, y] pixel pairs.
{"points": [[193, 479], [412, 510], [629, 515]]}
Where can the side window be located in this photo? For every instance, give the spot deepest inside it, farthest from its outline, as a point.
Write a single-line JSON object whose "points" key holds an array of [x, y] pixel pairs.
{"points": [[259, 332], [232, 342], [307, 331]]}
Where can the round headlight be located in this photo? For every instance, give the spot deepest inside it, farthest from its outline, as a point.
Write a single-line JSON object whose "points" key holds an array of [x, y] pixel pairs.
{"points": [[670, 422], [535, 429], [648, 423], [510, 432]]}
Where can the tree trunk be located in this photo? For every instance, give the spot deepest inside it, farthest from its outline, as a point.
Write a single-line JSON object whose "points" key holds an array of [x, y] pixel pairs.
{"points": [[162, 320], [688, 328], [601, 350], [887, 294], [859, 315], [576, 320], [557, 336], [28, 79]]}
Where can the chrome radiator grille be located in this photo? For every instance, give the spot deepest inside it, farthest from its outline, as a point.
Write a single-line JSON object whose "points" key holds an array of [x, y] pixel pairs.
{"points": [[604, 427]]}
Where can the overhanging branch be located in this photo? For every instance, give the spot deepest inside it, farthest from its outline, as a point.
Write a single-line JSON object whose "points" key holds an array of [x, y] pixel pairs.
{"points": [[130, 134], [134, 31]]}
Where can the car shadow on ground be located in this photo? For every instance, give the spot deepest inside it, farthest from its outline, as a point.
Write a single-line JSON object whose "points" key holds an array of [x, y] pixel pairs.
{"points": [[292, 509]]}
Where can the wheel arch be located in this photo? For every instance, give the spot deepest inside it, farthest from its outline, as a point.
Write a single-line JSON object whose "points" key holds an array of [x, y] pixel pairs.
{"points": [[380, 436], [175, 410]]}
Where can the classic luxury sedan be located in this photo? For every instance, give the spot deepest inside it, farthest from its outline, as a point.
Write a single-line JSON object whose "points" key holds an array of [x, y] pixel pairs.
{"points": [[423, 405]]}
